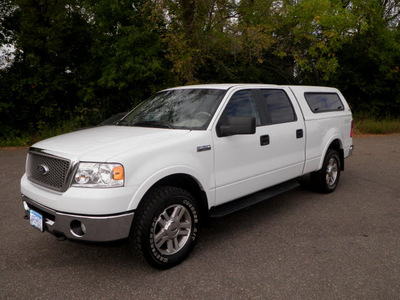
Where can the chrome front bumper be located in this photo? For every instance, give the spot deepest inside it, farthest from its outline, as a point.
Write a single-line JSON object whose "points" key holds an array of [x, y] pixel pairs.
{"points": [[78, 227]]}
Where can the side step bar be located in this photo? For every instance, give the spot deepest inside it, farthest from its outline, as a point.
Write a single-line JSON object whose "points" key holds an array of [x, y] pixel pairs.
{"points": [[236, 205]]}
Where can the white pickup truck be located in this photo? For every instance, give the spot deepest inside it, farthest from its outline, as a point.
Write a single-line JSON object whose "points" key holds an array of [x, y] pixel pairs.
{"points": [[182, 156]]}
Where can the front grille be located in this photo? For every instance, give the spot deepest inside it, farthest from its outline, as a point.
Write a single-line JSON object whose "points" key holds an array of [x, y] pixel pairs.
{"points": [[48, 171]]}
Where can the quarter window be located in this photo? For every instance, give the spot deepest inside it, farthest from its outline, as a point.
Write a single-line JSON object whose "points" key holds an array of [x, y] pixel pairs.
{"points": [[323, 102]]}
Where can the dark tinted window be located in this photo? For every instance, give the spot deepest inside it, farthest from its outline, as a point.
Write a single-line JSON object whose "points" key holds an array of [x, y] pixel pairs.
{"points": [[241, 104], [278, 106], [323, 102]]}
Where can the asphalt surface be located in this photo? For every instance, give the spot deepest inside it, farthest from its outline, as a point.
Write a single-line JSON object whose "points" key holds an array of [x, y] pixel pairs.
{"points": [[299, 245]]}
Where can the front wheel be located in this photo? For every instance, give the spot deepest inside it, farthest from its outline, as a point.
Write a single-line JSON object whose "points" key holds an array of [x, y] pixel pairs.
{"points": [[327, 179], [166, 226]]}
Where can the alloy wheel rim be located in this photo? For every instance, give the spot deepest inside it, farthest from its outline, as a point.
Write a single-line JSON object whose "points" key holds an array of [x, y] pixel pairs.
{"points": [[172, 229], [331, 172]]}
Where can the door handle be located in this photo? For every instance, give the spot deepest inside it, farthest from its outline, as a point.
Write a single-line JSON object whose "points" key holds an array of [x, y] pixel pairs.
{"points": [[264, 140], [299, 133]]}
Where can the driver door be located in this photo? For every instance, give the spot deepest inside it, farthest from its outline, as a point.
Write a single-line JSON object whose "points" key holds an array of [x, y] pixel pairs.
{"points": [[237, 157]]}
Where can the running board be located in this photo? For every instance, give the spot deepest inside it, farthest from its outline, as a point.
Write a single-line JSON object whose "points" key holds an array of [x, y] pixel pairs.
{"points": [[236, 205]]}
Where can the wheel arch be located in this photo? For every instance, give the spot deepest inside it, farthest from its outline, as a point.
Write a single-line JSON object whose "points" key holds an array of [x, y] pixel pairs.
{"points": [[190, 184], [181, 180], [336, 145]]}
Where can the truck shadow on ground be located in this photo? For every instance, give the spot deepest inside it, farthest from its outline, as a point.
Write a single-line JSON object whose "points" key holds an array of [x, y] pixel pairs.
{"points": [[236, 228]]}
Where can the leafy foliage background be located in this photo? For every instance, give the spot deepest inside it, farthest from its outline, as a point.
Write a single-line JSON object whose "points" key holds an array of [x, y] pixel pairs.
{"points": [[75, 63]]}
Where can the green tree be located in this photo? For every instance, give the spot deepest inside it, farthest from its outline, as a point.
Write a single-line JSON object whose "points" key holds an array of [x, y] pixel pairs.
{"points": [[369, 73], [51, 44], [128, 51], [76, 57], [195, 34]]}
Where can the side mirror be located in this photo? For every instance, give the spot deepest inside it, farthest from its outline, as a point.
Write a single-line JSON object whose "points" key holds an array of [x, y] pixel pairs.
{"points": [[238, 125]]}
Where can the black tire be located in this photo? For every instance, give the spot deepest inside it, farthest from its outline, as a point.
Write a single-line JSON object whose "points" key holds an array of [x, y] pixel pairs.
{"points": [[166, 226], [327, 179]]}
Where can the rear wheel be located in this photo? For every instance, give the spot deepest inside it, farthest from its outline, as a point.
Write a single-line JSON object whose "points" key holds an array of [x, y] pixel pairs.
{"points": [[327, 179], [166, 226]]}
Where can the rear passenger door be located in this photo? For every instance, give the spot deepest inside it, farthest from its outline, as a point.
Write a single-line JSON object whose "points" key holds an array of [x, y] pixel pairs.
{"points": [[275, 153], [285, 153]]}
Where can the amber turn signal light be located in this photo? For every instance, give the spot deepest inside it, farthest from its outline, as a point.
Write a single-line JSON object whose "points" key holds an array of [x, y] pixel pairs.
{"points": [[118, 173]]}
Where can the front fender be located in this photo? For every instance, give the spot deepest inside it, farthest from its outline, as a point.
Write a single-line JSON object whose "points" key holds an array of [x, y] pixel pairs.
{"points": [[144, 167], [161, 174]]}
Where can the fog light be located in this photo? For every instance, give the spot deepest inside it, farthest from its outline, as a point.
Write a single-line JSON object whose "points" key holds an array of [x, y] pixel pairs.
{"points": [[83, 227], [77, 228]]}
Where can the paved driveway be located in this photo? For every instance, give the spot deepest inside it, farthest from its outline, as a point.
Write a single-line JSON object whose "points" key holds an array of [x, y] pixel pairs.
{"points": [[300, 245]]}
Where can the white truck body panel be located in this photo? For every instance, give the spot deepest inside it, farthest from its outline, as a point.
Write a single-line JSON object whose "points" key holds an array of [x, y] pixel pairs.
{"points": [[242, 166], [323, 128], [224, 168]]}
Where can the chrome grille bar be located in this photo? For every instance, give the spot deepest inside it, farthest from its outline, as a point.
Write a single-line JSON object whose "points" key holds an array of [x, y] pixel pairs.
{"points": [[48, 170]]}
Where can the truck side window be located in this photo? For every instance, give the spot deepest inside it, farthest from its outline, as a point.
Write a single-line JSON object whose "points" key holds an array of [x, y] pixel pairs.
{"points": [[323, 102], [241, 104], [278, 106]]}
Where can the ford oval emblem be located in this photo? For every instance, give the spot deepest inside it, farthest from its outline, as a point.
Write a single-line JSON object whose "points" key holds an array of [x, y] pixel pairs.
{"points": [[43, 169]]}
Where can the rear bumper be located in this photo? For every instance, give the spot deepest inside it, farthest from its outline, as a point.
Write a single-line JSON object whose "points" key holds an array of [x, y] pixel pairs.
{"points": [[351, 150], [348, 151], [81, 227]]}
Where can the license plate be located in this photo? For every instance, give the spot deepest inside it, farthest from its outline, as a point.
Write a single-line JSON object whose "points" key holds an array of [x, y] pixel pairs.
{"points": [[36, 220]]}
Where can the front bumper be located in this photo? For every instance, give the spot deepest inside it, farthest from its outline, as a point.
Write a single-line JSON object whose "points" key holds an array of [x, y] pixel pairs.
{"points": [[81, 227]]}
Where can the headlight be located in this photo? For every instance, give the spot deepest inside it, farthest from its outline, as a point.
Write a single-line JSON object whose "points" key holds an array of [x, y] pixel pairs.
{"points": [[99, 175]]}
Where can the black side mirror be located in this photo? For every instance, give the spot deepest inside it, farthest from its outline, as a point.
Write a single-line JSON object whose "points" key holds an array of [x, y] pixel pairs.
{"points": [[238, 125]]}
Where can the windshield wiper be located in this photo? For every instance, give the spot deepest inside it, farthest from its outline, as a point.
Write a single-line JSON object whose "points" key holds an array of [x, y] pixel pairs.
{"points": [[155, 124], [122, 123]]}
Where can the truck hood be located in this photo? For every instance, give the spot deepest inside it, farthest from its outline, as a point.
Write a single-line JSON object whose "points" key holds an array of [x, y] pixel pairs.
{"points": [[106, 142]]}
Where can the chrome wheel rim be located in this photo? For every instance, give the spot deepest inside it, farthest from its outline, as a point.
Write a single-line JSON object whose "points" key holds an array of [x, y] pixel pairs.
{"points": [[331, 172], [172, 229]]}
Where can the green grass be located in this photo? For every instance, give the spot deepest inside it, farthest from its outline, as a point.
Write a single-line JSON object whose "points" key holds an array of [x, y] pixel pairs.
{"points": [[46, 131], [373, 126], [16, 141]]}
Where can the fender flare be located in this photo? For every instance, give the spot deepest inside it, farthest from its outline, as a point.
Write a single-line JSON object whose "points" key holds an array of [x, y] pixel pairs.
{"points": [[164, 173], [335, 143]]}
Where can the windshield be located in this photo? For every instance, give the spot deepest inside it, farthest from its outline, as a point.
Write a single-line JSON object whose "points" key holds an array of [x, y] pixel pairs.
{"points": [[179, 109]]}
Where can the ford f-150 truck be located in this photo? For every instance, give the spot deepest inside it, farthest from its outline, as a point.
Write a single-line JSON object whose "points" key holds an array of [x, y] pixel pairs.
{"points": [[182, 156]]}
